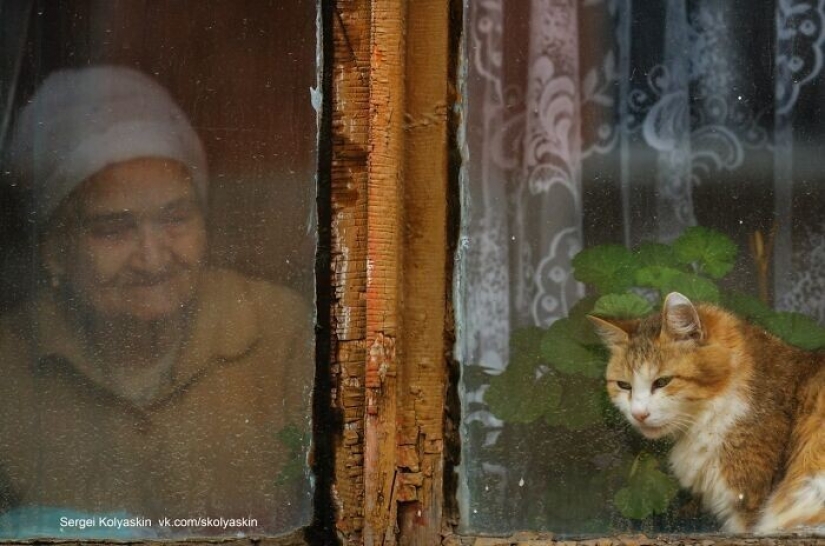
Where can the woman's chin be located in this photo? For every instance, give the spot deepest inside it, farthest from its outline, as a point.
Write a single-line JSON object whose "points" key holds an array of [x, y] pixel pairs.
{"points": [[157, 314], [148, 311], [143, 304]]}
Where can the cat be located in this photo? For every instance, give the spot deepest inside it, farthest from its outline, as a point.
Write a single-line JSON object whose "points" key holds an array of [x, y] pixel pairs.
{"points": [[746, 411]]}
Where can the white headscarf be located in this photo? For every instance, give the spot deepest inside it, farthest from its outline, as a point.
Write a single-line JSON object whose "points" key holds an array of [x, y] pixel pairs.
{"points": [[82, 120]]}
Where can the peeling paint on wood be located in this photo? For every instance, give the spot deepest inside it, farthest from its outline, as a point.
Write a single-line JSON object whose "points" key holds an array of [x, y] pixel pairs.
{"points": [[423, 368], [350, 150], [385, 211], [391, 275]]}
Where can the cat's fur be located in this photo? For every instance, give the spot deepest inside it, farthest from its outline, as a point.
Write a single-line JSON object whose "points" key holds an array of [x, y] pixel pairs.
{"points": [[746, 411]]}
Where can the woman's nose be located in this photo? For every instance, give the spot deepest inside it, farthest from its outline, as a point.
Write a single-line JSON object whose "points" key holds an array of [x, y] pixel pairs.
{"points": [[152, 254]]}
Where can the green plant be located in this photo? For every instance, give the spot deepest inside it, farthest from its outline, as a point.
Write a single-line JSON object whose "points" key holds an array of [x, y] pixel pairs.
{"points": [[553, 385], [294, 441]]}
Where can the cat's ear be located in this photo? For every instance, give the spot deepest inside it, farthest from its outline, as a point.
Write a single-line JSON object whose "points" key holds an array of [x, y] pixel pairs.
{"points": [[612, 332], [680, 320]]}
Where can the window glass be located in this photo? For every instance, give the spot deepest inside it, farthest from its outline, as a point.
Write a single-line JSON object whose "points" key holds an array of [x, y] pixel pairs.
{"points": [[157, 286], [617, 151]]}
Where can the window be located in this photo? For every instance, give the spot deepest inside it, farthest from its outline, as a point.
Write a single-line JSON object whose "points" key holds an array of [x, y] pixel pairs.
{"points": [[158, 282], [619, 151], [434, 222]]}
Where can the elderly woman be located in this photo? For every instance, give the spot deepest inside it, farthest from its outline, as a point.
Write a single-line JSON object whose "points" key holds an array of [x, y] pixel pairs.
{"points": [[138, 381]]}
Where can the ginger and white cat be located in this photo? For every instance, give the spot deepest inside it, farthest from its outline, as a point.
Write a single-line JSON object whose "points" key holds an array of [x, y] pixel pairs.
{"points": [[746, 411]]}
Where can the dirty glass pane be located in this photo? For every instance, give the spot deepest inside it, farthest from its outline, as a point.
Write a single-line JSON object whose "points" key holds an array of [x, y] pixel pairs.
{"points": [[616, 151], [157, 287]]}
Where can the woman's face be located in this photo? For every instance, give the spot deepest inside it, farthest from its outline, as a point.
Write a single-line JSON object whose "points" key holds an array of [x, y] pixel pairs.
{"points": [[137, 246]]}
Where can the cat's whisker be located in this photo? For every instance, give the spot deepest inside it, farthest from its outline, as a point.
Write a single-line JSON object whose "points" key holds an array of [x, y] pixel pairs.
{"points": [[683, 421], [682, 427]]}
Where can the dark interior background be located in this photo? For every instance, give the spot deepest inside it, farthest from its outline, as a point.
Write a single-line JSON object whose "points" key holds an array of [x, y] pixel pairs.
{"points": [[241, 69]]}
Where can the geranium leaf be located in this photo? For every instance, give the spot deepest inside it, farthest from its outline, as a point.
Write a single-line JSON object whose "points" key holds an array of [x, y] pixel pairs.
{"points": [[581, 404], [650, 253], [712, 251], [581, 329], [796, 329], [648, 491], [622, 306], [560, 348], [747, 307], [666, 279], [522, 393], [609, 268]]}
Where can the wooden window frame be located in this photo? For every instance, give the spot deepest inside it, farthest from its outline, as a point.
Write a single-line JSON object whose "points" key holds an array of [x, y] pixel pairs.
{"points": [[391, 104], [394, 218], [386, 412]]}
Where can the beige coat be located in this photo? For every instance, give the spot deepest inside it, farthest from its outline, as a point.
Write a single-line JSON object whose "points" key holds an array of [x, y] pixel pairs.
{"points": [[213, 444]]}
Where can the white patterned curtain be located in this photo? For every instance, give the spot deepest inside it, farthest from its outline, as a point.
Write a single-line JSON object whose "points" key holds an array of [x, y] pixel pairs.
{"points": [[621, 121]]}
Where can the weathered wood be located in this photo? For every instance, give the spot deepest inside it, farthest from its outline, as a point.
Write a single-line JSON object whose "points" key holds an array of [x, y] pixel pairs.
{"points": [[395, 321], [423, 372], [350, 140], [384, 273]]}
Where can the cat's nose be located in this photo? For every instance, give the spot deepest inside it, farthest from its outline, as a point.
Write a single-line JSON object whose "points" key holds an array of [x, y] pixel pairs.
{"points": [[640, 414]]}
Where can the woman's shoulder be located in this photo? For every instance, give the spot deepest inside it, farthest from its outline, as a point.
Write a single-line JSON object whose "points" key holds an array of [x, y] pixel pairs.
{"points": [[269, 308], [277, 317]]}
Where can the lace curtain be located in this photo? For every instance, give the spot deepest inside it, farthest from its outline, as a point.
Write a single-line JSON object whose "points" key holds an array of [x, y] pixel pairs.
{"points": [[621, 121]]}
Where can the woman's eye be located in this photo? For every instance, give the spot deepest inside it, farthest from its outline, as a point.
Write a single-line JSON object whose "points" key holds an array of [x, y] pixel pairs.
{"points": [[176, 217], [624, 385], [661, 382], [110, 229]]}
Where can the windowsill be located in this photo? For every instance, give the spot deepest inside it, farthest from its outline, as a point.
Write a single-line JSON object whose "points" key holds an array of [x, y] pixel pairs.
{"points": [[549, 539], [294, 538]]}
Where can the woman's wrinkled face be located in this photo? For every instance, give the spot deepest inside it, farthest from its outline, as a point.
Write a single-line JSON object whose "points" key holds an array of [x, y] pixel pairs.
{"points": [[137, 243]]}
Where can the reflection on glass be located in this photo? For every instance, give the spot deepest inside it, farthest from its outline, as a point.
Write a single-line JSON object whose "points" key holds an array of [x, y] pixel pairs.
{"points": [[619, 151], [153, 387]]}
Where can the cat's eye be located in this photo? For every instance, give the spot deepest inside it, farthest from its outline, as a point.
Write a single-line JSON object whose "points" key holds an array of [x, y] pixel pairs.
{"points": [[661, 382], [624, 385]]}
